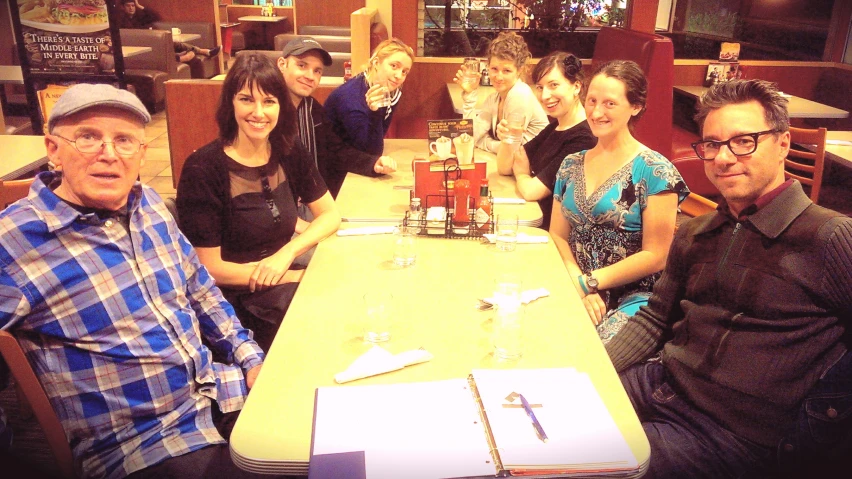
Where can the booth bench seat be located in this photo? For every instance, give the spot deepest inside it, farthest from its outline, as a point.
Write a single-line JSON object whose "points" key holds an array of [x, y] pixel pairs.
{"points": [[149, 71], [200, 66]]}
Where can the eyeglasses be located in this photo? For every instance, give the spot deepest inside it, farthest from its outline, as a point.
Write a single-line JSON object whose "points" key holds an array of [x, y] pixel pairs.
{"points": [[89, 144], [270, 200], [740, 145]]}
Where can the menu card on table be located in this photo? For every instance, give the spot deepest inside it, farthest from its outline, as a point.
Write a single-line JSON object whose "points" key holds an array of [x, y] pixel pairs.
{"points": [[469, 427]]}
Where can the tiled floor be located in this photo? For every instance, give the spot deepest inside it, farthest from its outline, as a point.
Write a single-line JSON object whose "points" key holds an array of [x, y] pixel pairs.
{"points": [[157, 170]]}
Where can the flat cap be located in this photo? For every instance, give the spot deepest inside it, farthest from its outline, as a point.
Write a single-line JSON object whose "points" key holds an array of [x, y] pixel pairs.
{"points": [[298, 46], [87, 95]]}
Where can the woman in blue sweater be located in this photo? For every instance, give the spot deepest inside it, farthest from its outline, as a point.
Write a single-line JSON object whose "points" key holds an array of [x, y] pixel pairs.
{"points": [[361, 109]]}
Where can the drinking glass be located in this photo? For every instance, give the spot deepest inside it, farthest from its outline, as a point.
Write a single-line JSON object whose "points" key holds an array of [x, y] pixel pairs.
{"points": [[470, 77], [387, 99], [507, 231], [508, 328], [516, 128], [377, 323], [404, 246]]}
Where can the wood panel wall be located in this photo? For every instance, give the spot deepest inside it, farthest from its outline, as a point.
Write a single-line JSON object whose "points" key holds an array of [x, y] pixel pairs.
{"points": [[329, 13]]}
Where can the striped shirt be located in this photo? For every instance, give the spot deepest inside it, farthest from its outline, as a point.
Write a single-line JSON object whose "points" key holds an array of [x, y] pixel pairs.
{"points": [[112, 319]]}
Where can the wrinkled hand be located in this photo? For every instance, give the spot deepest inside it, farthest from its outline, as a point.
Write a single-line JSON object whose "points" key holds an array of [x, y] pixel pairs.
{"points": [[385, 165], [269, 271], [375, 96], [459, 79], [596, 307], [251, 375], [521, 164]]}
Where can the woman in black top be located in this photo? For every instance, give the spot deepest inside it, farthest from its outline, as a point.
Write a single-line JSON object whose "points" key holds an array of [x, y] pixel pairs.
{"points": [[558, 81], [236, 195]]}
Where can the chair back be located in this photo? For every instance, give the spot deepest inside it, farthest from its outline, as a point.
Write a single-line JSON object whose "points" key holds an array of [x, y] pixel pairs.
{"points": [[807, 166], [32, 391], [13, 190], [697, 205]]}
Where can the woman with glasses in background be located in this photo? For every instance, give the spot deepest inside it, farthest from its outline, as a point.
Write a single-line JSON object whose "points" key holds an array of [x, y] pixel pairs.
{"points": [[615, 205], [235, 199]]}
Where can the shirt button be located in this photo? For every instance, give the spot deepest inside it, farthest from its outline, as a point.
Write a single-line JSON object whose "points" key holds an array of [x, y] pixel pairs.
{"points": [[788, 447], [108, 223], [832, 413]]}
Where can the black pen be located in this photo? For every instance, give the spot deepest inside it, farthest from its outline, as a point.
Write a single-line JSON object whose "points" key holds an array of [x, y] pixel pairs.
{"points": [[538, 429]]}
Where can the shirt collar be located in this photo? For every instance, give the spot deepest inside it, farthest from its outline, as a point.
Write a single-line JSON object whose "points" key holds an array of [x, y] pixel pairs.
{"points": [[787, 202], [58, 214]]}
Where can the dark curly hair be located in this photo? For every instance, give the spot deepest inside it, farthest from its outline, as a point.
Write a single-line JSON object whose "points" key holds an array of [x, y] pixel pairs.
{"points": [[568, 65], [257, 71], [635, 83], [511, 47], [743, 91]]}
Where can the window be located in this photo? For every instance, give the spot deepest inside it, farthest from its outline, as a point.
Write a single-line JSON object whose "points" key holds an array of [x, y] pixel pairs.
{"points": [[765, 29], [546, 25]]}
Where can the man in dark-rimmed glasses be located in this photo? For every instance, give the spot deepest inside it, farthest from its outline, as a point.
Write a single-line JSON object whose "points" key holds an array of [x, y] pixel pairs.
{"points": [[738, 366], [110, 303]]}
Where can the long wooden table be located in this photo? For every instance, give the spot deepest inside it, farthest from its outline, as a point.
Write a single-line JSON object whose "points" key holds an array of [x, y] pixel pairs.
{"points": [[21, 154], [434, 299], [385, 199], [796, 108]]}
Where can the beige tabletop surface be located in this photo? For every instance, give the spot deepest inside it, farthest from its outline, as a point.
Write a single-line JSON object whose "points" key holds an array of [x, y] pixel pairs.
{"points": [[11, 75], [797, 108], [186, 37], [842, 153], [434, 302], [261, 18], [386, 198], [131, 51], [456, 96], [21, 154]]}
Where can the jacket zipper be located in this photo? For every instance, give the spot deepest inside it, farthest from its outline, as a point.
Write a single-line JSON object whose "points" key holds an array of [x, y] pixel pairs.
{"points": [[727, 251]]}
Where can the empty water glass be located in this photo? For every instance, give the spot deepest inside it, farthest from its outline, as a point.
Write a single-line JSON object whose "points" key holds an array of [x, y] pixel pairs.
{"points": [[515, 124], [377, 323], [507, 231], [404, 246]]}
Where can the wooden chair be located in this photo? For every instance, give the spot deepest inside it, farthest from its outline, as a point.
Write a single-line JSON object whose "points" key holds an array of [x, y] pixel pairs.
{"points": [[694, 205], [806, 166], [30, 387], [13, 190]]}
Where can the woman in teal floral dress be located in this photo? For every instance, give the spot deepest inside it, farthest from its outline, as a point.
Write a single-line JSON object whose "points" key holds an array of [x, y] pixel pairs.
{"points": [[615, 205]]}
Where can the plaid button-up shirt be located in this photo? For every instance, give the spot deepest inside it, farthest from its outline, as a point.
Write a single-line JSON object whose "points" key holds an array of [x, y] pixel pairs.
{"points": [[112, 320]]}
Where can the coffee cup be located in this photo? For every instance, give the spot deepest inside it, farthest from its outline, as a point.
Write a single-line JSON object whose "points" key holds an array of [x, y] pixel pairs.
{"points": [[464, 148], [442, 147], [175, 31]]}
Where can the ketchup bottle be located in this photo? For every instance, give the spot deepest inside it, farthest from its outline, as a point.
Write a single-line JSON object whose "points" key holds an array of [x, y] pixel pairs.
{"points": [[461, 216]]}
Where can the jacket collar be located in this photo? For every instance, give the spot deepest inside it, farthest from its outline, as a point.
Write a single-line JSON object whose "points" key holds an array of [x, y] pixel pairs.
{"points": [[772, 219], [58, 214]]}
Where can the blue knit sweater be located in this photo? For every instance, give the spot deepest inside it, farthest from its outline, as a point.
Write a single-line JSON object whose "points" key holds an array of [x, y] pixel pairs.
{"points": [[352, 119]]}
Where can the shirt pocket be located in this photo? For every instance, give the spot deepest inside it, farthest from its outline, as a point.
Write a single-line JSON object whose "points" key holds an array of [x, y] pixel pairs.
{"points": [[829, 417]]}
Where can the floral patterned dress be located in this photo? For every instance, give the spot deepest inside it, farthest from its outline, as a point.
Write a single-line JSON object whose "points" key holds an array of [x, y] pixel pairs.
{"points": [[606, 225]]}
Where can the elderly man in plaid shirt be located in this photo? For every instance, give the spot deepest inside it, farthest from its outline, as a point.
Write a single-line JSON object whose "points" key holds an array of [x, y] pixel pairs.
{"points": [[110, 304]]}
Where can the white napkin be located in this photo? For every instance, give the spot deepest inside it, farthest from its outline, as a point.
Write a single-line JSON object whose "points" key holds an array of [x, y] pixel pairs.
{"points": [[366, 230], [523, 238], [527, 296], [508, 201], [838, 142], [378, 360]]}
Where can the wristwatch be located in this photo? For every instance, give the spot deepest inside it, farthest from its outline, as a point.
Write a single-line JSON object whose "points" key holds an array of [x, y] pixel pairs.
{"points": [[591, 283]]}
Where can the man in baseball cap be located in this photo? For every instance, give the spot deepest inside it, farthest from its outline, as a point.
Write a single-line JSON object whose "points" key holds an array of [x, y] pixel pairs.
{"points": [[110, 303], [302, 67]]}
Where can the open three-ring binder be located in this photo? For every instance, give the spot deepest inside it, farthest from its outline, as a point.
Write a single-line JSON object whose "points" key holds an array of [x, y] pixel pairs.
{"points": [[475, 427]]}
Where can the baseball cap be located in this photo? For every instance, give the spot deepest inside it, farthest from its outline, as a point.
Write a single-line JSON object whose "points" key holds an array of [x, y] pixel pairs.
{"points": [[298, 46], [88, 95]]}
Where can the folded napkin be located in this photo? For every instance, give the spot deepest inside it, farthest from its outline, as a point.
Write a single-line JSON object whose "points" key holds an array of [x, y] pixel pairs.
{"points": [[508, 201], [366, 230], [523, 238], [527, 296], [378, 360]]}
